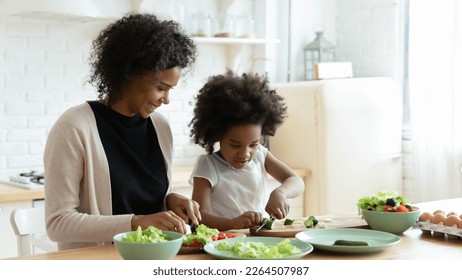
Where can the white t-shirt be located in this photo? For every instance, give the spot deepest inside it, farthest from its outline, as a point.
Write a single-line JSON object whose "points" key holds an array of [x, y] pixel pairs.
{"points": [[234, 191]]}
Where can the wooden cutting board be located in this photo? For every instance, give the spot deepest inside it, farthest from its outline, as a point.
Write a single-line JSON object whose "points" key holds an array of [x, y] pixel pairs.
{"points": [[352, 220]]}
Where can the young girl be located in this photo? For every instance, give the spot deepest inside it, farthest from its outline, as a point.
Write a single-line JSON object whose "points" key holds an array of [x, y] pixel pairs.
{"points": [[230, 184]]}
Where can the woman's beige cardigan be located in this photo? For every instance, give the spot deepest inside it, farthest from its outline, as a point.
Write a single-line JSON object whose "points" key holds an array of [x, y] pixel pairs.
{"points": [[78, 203]]}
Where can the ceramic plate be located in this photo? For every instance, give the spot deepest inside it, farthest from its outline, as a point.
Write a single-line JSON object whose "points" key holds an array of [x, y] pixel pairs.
{"points": [[211, 249], [323, 239]]}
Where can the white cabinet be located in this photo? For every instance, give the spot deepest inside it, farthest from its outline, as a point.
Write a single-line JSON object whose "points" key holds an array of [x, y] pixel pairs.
{"points": [[348, 133]]}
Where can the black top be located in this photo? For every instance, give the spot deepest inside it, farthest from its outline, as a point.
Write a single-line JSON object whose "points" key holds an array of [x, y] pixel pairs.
{"points": [[136, 164]]}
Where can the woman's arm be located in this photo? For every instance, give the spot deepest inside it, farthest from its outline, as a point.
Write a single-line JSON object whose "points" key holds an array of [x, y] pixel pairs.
{"points": [[77, 192]]}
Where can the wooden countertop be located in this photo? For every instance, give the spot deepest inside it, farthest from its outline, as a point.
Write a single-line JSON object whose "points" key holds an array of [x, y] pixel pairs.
{"points": [[9, 193], [413, 245]]}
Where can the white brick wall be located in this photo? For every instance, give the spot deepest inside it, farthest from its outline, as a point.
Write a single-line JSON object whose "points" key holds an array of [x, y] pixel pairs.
{"points": [[37, 71], [369, 34], [43, 72]]}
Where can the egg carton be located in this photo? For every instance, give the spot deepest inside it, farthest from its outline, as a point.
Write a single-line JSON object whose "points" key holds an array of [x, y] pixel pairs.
{"points": [[440, 229]]}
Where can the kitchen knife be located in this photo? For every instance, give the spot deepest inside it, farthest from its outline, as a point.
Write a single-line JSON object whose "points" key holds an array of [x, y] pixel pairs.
{"points": [[263, 225]]}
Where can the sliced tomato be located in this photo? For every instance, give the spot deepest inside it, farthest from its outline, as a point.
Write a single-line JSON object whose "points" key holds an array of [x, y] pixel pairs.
{"points": [[231, 234], [388, 208], [402, 208], [223, 235], [195, 244]]}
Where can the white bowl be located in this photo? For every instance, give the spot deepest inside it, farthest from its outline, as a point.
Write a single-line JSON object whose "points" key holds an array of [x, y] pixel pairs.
{"points": [[392, 222], [149, 251]]}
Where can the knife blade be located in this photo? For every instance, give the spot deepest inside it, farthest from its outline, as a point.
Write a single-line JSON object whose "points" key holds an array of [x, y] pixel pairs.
{"points": [[192, 227], [263, 225]]}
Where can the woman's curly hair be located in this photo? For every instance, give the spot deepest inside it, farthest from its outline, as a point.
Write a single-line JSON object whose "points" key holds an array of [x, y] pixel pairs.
{"points": [[133, 46], [228, 100]]}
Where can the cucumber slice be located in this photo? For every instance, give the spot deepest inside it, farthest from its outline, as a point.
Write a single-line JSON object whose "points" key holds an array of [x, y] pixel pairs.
{"points": [[268, 224], [310, 222], [350, 243], [288, 222]]}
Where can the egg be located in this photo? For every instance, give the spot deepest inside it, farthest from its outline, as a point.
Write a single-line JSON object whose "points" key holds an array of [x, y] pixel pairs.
{"points": [[451, 214], [425, 216], [438, 211], [452, 220], [438, 218]]}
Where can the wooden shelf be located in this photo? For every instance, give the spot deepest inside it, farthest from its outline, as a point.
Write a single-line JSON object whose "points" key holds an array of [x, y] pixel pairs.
{"points": [[225, 41]]}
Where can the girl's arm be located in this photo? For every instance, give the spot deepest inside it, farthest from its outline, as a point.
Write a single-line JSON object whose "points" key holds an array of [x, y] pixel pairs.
{"points": [[202, 194], [291, 186]]}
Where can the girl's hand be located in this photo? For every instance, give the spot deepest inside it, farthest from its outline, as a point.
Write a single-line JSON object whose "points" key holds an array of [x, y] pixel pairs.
{"points": [[185, 208], [247, 220], [278, 205]]}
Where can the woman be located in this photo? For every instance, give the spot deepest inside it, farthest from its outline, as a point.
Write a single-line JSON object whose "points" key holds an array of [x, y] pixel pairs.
{"points": [[108, 162]]}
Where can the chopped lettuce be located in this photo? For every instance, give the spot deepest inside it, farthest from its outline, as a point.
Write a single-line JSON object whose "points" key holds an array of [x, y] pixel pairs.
{"points": [[203, 234], [258, 250], [377, 202], [149, 235]]}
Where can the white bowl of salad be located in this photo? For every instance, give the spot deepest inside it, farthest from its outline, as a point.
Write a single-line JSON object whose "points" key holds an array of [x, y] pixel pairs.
{"points": [[149, 244]]}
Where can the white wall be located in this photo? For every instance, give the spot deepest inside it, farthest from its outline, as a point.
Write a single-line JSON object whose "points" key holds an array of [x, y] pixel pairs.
{"points": [[306, 17], [43, 65], [42, 72], [367, 33]]}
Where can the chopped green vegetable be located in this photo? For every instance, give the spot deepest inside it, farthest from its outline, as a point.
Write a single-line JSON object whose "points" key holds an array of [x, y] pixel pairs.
{"points": [[288, 222], [149, 235], [310, 222], [203, 234], [268, 223], [350, 243], [377, 202], [258, 250]]}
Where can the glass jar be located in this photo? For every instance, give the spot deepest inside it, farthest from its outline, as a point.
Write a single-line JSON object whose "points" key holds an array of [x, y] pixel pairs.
{"points": [[245, 27], [224, 25], [201, 25]]}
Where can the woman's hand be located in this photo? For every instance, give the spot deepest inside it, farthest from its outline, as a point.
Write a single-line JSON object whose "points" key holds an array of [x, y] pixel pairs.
{"points": [[166, 220], [246, 220], [278, 205], [185, 208]]}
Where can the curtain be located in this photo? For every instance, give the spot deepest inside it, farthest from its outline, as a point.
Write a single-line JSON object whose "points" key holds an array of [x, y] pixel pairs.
{"points": [[435, 99]]}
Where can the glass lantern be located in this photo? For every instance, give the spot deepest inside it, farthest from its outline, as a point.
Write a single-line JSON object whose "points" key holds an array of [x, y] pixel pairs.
{"points": [[320, 50]]}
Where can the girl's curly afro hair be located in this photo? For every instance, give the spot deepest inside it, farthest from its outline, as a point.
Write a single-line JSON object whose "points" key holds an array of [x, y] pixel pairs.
{"points": [[133, 46], [228, 100]]}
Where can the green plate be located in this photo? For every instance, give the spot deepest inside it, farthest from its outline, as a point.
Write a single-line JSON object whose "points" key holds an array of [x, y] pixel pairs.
{"points": [[323, 239], [211, 249]]}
